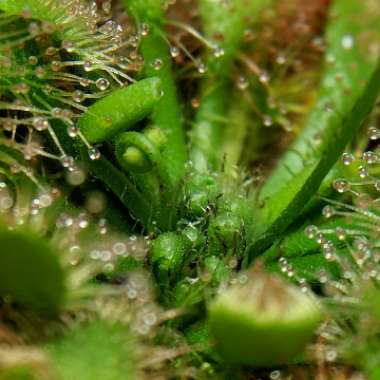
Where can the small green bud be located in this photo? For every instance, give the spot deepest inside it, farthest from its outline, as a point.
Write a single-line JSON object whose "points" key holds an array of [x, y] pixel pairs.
{"points": [[135, 152], [156, 136], [201, 190], [135, 160], [224, 233], [263, 322], [168, 254], [218, 268]]}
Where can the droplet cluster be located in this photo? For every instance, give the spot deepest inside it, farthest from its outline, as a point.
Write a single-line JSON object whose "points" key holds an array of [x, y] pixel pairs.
{"points": [[76, 59]]}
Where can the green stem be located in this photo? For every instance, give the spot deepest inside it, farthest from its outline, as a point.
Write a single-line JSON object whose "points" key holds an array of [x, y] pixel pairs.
{"points": [[166, 115], [118, 183], [230, 21]]}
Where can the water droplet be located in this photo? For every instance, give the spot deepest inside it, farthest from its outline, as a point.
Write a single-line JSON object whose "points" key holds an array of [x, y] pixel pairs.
{"points": [[51, 50], [40, 72], [84, 82], [72, 131], [363, 171], [331, 355], [32, 60], [87, 65], [33, 28], [218, 52], [267, 120], [275, 375], [201, 67], [328, 211], [340, 233], [94, 153], [370, 157], [341, 185], [280, 60], [264, 77], [320, 238], [40, 123], [68, 46], [144, 29], [242, 83], [78, 96], [157, 63], [311, 231], [347, 158], [76, 177], [174, 51], [67, 161], [373, 133], [109, 267], [102, 84], [83, 221], [56, 65], [347, 42], [119, 248], [45, 200]]}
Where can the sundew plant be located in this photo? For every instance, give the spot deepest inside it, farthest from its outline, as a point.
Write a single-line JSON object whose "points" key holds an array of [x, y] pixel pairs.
{"points": [[189, 189]]}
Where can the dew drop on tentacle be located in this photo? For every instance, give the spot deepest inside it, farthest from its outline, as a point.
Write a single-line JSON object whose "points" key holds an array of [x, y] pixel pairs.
{"points": [[32, 60], [87, 65], [78, 96], [201, 67], [218, 51], [264, 77], [267, 120], [341, 185], [363, 171], [347, 158], [328, 212], [40, 123], [341, 233], [311, 231], [370, 157], [373, 133], [94, 153], [102, 84], [157, 64], [242, 83], [144, 29], [72, 131], [174, 51]]}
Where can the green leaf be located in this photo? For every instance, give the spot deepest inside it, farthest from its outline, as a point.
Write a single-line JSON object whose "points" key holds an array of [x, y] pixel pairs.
{"points": [[121, 109], [30, 271], [352, 66], [284, 198]]}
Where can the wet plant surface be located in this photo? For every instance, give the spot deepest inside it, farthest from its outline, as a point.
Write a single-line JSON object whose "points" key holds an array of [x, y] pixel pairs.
{"points": [[189, 189]]}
